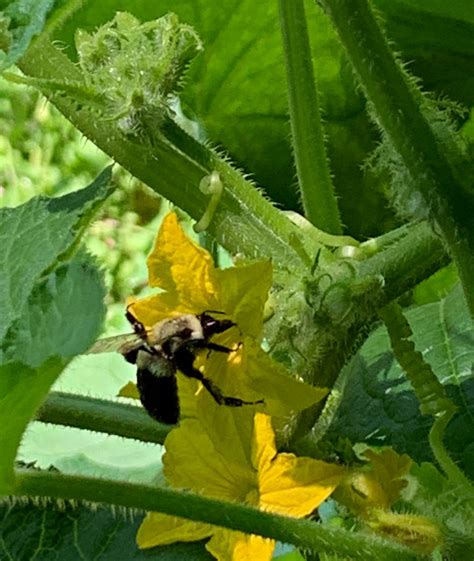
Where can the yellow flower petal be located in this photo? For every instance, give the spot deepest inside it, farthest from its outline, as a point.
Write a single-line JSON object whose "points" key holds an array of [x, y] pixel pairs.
{"points": [[296, 486], [228, 428], [263, 442], [243, 291], [250, 374], [178, 265], [288, 484], [389, 470], [152, 309], [187, 389], [193, 462], [129, 390], [266, 378], [377, 485], [226, 545], [162, 529]]}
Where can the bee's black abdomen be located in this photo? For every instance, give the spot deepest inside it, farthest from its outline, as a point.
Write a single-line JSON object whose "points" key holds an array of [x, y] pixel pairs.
{"points": [[159, 396]]}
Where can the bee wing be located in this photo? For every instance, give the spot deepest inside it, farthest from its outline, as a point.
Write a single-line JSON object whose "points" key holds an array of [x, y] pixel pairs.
{"points": [[119, 344]]}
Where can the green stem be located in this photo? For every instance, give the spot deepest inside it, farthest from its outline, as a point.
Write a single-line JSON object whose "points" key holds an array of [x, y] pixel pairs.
{"points": [[406, 261], [412, 256], [101, 415], [173, 165], [302, 533], [436, 436], [62, 14], [398, 106], [314, 178]]}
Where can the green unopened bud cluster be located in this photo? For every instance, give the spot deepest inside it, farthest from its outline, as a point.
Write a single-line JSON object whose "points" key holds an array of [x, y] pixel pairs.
{"points": [[137, 67]]}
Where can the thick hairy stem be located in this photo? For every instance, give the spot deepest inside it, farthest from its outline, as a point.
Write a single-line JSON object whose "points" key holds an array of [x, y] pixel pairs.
{"points": [[302, 533], [314, 178], [101, 415], [398, 105]]}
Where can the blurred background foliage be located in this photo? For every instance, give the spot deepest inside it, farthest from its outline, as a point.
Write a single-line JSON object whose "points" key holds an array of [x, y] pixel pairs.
{"points": [[41, 153]]}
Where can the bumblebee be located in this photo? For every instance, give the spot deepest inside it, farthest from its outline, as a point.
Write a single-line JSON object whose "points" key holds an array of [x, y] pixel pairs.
{"points": [[172, 345]]}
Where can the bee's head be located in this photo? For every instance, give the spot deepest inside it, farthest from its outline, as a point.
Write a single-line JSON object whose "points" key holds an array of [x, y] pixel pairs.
{"points": [[211, 326]]}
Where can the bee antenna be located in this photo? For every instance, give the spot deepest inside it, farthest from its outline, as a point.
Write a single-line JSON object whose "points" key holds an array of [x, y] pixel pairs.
{"points": [[213, 312]]}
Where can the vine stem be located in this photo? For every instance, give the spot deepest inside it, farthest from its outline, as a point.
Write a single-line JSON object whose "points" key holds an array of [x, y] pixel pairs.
{"points": [[398, 105], [302, 533], [454, 474], [314, 178], [101, 415]]}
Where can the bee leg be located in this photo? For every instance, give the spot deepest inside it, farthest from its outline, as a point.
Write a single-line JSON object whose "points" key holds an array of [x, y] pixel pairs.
{"points": [[212, 347], [222, 348], [222, 399], [185, 364], [214, 390], [138, 326], [218, 348]]}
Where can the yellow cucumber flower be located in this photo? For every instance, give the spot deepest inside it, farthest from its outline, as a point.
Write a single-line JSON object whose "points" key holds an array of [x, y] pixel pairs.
{"points": [[376, 485], [240, 470], [191, 284]]}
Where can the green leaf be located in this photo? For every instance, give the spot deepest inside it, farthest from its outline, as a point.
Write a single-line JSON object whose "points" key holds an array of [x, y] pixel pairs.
{"points": [[437, 37], [34, 236], [81, 464], [48, 532], [377, 404], [436, 287], [22, 389], [63, 318], [19, 23]]}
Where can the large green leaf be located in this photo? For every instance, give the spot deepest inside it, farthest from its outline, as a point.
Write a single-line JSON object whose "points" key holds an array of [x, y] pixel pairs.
{"points": [[377, 404], [437, 38], [22, 389], [35, 235], [44, 533], [63, 317], [46, 319]]}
